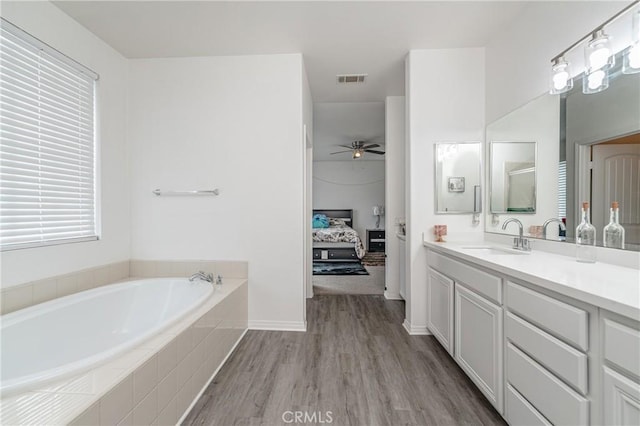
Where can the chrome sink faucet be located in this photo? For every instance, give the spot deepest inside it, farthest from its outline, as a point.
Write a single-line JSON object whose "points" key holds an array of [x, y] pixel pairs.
{"points": [[519, 242], [200, 275], [547, 222]]}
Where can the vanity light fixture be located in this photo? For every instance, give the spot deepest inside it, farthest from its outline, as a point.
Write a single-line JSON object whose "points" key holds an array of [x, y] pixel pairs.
{"points": [[599, 57], [561, 80], [631, 57]]}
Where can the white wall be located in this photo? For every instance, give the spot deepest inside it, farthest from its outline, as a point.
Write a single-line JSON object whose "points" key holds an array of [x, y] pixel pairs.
{"points": [[356, 184], [46, 22], [445, 103], [233, 123], [394, 190]]}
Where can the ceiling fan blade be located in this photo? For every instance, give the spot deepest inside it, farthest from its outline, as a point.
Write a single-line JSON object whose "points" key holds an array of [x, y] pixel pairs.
{"points": [[339, 152], [373, 145], [346, 146], [374, 152]]}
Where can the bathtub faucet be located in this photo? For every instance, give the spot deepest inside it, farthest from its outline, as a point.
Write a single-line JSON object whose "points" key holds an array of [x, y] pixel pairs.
{"points": [[200, 275]]}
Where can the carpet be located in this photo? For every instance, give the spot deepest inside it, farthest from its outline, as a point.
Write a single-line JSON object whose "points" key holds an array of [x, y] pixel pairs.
{"points": [[374, 259], [338, 268], [351, 284]]}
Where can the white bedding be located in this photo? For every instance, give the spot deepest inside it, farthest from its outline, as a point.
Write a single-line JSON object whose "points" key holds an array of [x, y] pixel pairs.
{"points": [[340, 233]]}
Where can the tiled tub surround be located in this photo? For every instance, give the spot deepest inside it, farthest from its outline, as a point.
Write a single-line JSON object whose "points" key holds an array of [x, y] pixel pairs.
{"points": [[155, 383], [32, 293]]}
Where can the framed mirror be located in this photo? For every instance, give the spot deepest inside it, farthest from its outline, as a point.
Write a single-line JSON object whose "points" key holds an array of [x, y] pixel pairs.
{"points": [[457, 177], [512, 183]]}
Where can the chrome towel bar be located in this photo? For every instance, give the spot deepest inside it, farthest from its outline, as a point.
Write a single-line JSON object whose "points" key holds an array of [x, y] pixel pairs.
{"points": [[160, 192]]}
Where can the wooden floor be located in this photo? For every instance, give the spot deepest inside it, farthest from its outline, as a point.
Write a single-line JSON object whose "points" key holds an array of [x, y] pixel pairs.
{"points": [[356, 361]]}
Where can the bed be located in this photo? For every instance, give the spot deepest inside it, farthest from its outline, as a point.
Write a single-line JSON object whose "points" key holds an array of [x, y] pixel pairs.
{"points": [[338, 243]]}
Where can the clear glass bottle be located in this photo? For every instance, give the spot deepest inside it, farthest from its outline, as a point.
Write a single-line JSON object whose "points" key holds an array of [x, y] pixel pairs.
{"points": [[585, 238], [614, 232]]}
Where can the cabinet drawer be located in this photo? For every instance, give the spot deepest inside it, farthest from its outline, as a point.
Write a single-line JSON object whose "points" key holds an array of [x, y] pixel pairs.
{"points": [[553, 399], [622, 346], [566, 362], [560, 319], [520, 412], [376, 235], [373, 246], [342, 254], [486, 284]]}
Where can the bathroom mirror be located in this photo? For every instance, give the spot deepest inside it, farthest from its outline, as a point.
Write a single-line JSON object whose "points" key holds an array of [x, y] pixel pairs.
{"points": [[569, 131], [457, 177], [513, 177]]}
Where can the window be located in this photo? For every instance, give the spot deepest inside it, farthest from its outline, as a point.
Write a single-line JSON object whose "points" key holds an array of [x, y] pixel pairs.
{"points": [[47, 144]]}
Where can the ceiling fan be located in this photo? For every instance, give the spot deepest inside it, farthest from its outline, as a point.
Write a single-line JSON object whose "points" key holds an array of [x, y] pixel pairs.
{"points": [[358, 148]]}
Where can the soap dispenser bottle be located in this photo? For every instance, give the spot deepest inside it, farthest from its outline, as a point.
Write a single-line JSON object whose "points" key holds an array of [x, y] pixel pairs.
{"points": [[585, 238], [614, 232]]}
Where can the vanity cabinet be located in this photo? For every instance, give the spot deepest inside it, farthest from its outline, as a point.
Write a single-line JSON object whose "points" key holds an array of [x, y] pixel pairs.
{"points": [[478, 342], [620, 370], [539, 356], [440, 291], [465, 316]]}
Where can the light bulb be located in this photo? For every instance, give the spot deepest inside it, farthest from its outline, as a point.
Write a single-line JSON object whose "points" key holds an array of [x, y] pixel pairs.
{"points": [[595, 79], [599, 58], [357, 154], [561, 80], [598, 52], [631, 60]]}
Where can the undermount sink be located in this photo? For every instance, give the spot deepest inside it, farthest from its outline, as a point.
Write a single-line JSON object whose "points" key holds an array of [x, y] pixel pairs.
{"points": [[494, 250]]}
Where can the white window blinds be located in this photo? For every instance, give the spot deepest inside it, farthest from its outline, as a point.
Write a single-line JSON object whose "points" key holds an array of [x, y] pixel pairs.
{"points": [[47, 144]]}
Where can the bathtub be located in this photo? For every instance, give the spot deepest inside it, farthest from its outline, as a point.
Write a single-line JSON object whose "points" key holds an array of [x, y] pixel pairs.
{"points": [[67, 336]]}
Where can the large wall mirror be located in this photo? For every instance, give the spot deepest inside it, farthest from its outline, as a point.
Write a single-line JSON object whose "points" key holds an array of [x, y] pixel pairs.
{"points": [[588, 149], [457, 177]]}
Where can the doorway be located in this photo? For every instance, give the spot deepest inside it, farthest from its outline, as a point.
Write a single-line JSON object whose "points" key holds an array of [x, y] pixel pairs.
{"points": [[349, 236]]}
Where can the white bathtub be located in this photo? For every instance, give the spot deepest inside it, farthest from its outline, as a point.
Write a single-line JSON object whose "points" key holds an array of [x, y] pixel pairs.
{"points": [[67, 336]]}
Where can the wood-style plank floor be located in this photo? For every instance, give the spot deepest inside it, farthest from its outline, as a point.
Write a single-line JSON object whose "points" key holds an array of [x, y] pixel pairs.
{"points": [[356, 361]]}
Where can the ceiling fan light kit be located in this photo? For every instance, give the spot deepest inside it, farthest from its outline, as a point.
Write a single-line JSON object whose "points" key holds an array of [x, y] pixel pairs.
{"points": [[358, 148]]}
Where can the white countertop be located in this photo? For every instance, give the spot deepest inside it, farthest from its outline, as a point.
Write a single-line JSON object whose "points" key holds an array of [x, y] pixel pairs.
{"points": [[611, 287]]}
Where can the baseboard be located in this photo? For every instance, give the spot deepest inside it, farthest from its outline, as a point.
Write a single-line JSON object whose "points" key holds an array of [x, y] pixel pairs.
{"points": [[415, 331], [393, 296], [224, 361], [278, 325]]}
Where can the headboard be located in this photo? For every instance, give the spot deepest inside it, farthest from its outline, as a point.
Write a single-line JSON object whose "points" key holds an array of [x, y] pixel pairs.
{"points": [[346, 215]]}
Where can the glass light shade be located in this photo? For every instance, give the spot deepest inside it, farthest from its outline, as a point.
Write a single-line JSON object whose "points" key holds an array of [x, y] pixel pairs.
{"points": [[631, 59], [561, 80], [598, 53], [595, 81], [357, 153]]}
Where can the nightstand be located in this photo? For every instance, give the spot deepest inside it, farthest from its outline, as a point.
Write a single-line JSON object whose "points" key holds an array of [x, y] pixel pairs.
{"points": [[375, 240]]}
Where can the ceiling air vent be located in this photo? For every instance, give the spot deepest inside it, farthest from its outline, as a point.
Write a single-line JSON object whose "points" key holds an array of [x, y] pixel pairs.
{"points": [[350, 78]]}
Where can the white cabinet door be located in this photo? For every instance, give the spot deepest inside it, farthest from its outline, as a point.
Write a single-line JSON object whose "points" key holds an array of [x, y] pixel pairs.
{"points": [[621, 399], [440, 312], [478, 342]]}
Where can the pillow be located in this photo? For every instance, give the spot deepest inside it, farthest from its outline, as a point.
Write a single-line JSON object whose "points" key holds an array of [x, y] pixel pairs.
{"points": [[320, 221], [337, 222]]}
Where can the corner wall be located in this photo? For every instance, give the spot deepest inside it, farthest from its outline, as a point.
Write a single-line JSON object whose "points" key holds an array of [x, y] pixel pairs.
{"points": [[445, 103], [233, 123], [48, 23], [394, 189]]}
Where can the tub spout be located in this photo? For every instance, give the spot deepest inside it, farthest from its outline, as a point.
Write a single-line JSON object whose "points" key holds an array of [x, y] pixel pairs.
{"points": [[200, 275]]}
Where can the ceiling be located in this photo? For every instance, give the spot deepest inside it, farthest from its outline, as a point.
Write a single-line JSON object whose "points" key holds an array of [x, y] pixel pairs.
{"points": [[342, 123], [334, 37]]}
